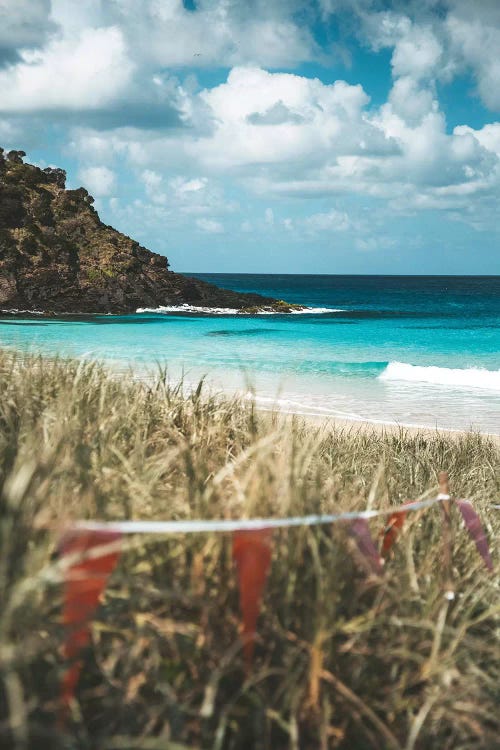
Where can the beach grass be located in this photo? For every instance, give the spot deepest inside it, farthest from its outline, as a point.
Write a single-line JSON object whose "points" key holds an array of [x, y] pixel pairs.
{"points": [[344, 658]]}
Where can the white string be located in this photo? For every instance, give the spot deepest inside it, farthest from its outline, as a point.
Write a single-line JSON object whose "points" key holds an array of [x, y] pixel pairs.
{"points": [[250, 524]]}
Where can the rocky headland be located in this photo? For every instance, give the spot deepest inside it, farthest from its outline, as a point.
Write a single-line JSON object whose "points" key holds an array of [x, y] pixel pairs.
{"points": [[57, 256]]}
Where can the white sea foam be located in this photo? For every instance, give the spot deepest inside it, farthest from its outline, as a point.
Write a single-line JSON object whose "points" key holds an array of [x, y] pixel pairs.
{"points": [[468, 378], [15, 311], [195, 309]]}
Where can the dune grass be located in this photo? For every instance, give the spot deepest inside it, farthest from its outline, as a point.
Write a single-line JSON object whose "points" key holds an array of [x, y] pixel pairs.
{"points": [[344, 659]]}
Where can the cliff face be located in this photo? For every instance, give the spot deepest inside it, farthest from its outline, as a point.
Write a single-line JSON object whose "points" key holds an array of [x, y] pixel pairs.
{"points": [[57, 256]]}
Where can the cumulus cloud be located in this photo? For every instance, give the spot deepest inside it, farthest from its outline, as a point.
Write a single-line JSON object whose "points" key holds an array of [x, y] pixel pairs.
{"points": [[336, 143], [488, 136], [113, 61], [417, 53], [475, 42], [321, 118], [410, 101], [432, 38], [119, 68], [216, 32], [327, 141], [428, 39], [98, 55], [108, 60], [85, 72], [99, 181]]}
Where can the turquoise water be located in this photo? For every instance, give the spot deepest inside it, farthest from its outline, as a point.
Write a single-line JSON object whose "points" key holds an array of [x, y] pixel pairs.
{"points": [[411, 350]]}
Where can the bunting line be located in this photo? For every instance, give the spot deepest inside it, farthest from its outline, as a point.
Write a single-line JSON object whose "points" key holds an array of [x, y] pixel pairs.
{"points": [[90, 551], [249, 524]]}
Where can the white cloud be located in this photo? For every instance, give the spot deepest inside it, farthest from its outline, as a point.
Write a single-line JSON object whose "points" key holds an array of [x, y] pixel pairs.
{"points": [[109, 60], [99, 181], [98, 52], [417, 53], [417, 50], [84, 72], [488, 136], [218, 32], [476, 44], [327, 140], [272, 133], [211, 226], [182, 185], [436, 40], [410, 101], [321, 118], [335, 143]]}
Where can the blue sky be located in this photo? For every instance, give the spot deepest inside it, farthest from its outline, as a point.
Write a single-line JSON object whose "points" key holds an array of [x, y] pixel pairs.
{"points": [[299, 136]]}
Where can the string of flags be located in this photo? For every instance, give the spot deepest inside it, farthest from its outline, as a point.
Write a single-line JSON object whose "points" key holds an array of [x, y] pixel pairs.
{"points": [[90, 550]]}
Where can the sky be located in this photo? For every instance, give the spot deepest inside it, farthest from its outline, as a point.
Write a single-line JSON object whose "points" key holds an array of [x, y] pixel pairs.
{"points": [[269, 136]]}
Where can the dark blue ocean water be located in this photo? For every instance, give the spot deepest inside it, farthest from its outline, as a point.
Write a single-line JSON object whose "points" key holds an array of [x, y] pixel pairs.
{"points": [[414, 350], [446, 297]]}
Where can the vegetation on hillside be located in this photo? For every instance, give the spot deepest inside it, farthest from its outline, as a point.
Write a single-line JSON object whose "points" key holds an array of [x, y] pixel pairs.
{"points": [[344, 659], [56, 255]]}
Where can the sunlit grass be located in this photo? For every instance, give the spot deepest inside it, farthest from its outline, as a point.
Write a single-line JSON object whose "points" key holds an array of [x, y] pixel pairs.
{"points": [[343, 659]]}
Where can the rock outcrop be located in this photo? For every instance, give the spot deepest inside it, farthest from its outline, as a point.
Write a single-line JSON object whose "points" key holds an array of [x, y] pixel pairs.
{"points": [[57, 256]]}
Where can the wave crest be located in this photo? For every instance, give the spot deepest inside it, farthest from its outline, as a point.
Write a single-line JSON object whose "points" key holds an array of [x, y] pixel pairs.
{"points": [[473, 377], [200, 310]]}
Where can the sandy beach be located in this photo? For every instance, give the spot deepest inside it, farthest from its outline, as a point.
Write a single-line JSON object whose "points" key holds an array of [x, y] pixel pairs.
{"points": [[352, 426]]}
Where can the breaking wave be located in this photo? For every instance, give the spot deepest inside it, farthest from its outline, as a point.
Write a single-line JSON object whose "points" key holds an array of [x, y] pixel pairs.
{"points": [[15, 311], [200, 310], [468, 378]]}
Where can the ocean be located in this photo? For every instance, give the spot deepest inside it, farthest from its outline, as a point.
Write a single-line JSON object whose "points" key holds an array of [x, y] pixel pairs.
{"points": [[411, 350]]}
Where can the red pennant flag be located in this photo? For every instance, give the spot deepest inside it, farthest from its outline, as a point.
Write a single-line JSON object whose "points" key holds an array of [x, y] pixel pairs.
{"points": [[85, 580], [476, 531], [252, 555], [391, 530], [360, 531]]}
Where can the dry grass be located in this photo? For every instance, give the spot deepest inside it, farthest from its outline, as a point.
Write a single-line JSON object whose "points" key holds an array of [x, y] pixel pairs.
{"points": [[343, 660]]}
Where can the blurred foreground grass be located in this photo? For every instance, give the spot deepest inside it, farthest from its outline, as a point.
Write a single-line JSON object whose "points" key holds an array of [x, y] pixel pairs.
{"points": [[343, 659]]}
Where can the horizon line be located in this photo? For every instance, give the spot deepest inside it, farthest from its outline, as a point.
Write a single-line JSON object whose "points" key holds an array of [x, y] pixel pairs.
{"points": [[394, 275]]}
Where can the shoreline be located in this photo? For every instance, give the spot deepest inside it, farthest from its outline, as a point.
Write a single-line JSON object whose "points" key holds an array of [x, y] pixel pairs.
{"points": [[326, 421], [378, 427], [184, 309]]}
